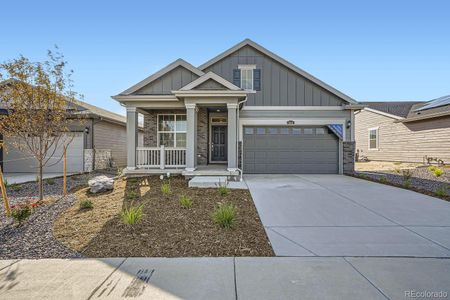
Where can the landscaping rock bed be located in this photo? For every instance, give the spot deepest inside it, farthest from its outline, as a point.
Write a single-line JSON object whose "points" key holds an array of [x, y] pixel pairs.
{"points": [[34, 239], [422, 180]]}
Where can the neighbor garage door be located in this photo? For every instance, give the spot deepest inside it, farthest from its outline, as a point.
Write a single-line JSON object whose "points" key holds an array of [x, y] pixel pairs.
{"points": [[21, 162], [290, 150]]}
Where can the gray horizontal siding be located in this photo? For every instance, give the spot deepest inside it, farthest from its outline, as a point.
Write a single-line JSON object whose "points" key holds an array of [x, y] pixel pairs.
{"points": [[173, 80], [405, 142], [279, 85]]}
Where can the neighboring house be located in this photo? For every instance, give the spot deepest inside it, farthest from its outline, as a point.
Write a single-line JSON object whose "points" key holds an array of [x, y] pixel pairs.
{"points": [[245, 109], [100, 137], [404, 131]]}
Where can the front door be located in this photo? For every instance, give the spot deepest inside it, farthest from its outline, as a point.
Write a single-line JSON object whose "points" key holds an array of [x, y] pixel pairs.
{"points": [[218, 143]]}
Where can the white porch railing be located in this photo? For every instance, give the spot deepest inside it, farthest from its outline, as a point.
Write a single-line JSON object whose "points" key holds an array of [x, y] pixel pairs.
{"points": [[162, 157]]}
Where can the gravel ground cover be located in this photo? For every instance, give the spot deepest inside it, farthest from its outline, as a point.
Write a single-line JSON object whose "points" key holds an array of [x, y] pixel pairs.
{"points": [[34, 239], [422, 180]]}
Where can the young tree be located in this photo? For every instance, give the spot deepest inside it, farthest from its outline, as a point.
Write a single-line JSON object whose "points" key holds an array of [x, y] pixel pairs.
{"points": [[39, 99]]}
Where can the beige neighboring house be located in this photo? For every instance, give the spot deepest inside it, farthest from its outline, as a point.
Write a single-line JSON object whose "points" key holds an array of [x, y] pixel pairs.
{"points": [[101, 137], [404, 131]]}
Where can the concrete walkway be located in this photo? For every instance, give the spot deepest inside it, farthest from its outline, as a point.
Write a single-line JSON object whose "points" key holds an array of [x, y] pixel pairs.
{"points": [[224, 278], [335, 215]]}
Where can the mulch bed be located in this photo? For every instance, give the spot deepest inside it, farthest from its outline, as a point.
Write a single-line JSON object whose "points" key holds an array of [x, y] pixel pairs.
{"points": [[166, 229]]}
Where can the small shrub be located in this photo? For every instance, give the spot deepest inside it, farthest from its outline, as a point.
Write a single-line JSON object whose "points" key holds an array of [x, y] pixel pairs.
{"points": [[407, 183], [431, 168], [438, 172], [86, 204], [15, 187], [223, 189], [407, 174], [50, 181], [165, 189], [442, 191], [363, 176], [383, 179], [185, 201], [132, 215], [21, 212], [225, 215]]}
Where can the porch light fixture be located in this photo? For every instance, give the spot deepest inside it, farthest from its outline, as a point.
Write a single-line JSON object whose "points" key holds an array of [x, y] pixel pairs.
{"points": [[86, 130], [290, 122], [349, 123], [217, 110]]}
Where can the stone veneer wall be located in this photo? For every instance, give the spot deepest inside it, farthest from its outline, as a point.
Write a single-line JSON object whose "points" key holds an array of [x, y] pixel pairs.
{"points": [[349, 157], [150, 131], [103, 159]]}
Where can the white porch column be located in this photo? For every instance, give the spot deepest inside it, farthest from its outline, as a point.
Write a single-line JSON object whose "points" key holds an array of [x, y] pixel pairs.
{"points": [[191, 137], [132, 137], [232, 136]]}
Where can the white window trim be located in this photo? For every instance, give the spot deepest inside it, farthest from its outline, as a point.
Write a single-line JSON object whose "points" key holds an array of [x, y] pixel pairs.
{"points": [[248, 67], [377, 138], [174, 132]]}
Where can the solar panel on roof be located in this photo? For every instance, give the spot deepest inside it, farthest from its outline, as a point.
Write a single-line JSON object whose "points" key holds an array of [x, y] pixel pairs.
{"points": [[435, 103]]}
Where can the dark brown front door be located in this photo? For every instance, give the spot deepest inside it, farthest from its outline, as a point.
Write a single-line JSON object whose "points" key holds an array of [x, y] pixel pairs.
{"points": [[218, 143]]}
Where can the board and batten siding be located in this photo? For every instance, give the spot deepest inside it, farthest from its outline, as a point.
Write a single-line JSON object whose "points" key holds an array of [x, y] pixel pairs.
{"points": [[173, 80], [113, 137], [280, 86], [403, 142]]}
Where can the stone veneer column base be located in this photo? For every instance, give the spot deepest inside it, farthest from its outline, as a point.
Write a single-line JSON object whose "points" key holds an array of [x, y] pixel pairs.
{"points": [[349, 157]]}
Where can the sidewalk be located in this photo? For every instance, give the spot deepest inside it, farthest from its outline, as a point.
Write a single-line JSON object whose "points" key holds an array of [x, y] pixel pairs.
{"points": [[224, 278]]}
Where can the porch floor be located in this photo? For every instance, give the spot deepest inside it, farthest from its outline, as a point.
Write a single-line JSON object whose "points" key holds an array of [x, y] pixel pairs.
{"points": [[205, 170]]}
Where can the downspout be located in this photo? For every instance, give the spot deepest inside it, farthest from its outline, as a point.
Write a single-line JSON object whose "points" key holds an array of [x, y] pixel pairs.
{"points": [[237, 142]]}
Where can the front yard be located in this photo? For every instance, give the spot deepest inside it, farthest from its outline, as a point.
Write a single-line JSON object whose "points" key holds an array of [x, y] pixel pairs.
{"points": [[167, 229]]}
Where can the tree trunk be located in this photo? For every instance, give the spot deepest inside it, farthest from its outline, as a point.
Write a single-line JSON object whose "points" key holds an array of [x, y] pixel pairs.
{"points": [[41, 182]]}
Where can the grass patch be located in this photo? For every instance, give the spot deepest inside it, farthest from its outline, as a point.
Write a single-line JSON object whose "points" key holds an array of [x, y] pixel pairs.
{"points": [[225, 215], [50, 181], [166, 190], [383, 179], [132, 215], [86, 204], [224, 190], [442, 191], [185, 201], [407, 183]]}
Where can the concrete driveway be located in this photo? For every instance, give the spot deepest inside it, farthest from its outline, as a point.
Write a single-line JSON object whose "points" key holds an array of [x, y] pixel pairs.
{"points": [[335, 215]]}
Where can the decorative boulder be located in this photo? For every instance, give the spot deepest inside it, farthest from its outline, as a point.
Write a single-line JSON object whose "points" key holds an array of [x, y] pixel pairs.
{"points": [[101, 184]]}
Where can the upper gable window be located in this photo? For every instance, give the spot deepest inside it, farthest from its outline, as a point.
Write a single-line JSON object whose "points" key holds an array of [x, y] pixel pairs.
{"points": [[247, 77]]}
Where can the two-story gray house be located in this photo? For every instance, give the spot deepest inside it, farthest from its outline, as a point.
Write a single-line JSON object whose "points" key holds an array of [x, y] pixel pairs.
{"points": [[246, 110]]}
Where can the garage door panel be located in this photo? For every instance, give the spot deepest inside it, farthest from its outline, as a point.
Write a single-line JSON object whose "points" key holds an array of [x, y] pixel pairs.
{"points": [[289, 152], [16, 161]]}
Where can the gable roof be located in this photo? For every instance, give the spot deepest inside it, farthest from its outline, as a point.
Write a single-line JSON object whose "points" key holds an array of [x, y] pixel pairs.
{"points": [[398, 109], [179, 62], [210, 76], [248, 42], [100, 112]]}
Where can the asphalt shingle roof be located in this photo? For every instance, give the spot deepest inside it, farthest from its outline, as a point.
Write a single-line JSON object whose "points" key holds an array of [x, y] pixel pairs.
{"points": [[399, 108]]}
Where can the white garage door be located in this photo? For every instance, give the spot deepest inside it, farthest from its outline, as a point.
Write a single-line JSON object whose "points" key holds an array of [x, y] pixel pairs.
{"points": [[15, 161]]}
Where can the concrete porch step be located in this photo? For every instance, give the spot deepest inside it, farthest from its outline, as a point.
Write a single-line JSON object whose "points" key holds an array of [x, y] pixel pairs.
{"points": [[208, 181]]}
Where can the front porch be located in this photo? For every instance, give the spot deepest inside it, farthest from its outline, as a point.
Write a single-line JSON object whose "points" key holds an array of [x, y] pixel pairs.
{"points": [[200, 140]]}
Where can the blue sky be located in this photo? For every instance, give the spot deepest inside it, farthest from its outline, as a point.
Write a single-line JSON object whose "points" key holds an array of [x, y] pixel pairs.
{"points": [[370, 50]]}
